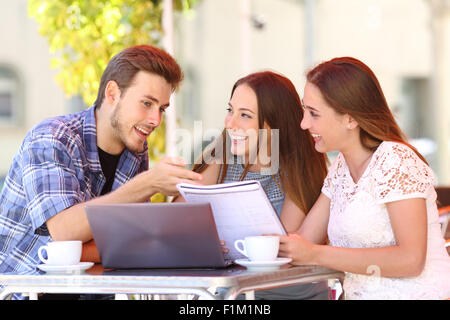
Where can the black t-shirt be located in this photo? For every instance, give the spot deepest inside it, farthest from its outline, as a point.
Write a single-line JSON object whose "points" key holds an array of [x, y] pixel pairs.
{"points": [[109, 164]]}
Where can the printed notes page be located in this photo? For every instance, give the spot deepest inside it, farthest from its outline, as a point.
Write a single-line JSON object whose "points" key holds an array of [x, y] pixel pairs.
{"points": [[240, 209]]}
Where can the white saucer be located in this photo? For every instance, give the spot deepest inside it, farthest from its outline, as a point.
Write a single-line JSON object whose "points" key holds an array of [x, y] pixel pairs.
{"points": [[73, 269], [263, 265]]}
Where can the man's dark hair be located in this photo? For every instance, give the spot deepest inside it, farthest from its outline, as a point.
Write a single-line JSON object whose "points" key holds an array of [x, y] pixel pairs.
{"points": [[123, 67]]}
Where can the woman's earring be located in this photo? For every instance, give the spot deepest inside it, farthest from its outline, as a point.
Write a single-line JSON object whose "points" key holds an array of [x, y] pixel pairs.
{"points": [[348, 126]]}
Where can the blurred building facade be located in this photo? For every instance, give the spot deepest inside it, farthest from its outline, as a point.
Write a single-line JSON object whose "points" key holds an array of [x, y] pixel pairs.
{"points": [[28, 92], [405, 42]]}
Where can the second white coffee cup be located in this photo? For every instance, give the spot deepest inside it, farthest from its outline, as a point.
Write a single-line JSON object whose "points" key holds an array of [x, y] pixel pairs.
{"points": [[259, 248], [61, 253]]}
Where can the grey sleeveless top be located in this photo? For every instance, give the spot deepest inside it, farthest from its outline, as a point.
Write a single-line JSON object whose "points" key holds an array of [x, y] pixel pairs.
{"points": [[272, 188]]}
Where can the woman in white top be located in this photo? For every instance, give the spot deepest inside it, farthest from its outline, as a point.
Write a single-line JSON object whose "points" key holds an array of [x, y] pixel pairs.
{"points": [[378, 204]]}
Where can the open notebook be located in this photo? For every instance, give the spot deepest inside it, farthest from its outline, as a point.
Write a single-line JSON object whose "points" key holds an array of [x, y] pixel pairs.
{"points": [[240, 209]]}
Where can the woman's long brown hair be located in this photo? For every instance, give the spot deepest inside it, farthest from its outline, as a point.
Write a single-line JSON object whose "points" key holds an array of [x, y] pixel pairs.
{"points": [[302, 168], [350, 87]]}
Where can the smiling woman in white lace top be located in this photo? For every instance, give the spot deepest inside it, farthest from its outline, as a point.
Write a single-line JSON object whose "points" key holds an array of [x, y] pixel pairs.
{"points": [[378, 204]]}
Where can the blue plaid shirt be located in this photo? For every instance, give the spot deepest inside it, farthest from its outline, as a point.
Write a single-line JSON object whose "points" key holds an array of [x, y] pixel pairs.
{"points": [[56, 167]]}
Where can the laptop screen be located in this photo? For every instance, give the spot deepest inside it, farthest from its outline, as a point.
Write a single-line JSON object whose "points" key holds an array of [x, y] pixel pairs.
{"points": [[155, 235]]}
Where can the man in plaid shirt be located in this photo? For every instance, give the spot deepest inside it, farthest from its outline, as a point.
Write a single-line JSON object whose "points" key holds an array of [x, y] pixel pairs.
{"points": [[95, 156]]}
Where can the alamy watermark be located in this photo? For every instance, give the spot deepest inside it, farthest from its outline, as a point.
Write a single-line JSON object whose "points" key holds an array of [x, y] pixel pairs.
{"points": [[208, 146]]}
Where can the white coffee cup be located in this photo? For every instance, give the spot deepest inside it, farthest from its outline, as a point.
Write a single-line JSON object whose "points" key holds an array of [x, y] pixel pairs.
{"points": [[61, 253], [259, 248]]}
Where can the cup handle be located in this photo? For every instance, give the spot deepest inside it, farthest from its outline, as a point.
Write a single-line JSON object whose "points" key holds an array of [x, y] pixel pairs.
{"points": [[40, 254], [236, 245]]}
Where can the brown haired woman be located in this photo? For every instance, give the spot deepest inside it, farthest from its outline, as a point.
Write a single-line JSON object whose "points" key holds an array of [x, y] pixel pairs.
{"points": [[260, 103], [378, 204]]}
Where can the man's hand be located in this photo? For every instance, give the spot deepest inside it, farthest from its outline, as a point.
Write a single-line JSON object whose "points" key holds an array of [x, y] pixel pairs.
{"points": [[161, 178], [168, 173]]}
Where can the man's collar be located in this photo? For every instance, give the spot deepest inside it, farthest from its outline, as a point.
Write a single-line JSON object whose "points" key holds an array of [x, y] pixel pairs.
{"points": [[90, 142]]}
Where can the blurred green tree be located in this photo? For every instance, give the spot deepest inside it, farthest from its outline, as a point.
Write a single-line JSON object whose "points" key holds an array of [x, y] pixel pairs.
{"points": [[84, 35]]}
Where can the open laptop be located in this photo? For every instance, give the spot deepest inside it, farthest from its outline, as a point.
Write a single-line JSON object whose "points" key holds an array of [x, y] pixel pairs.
{"points": [[156, 235]]}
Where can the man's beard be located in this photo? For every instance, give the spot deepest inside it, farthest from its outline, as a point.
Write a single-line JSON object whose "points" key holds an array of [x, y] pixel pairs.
{"points": [[119, 130]]}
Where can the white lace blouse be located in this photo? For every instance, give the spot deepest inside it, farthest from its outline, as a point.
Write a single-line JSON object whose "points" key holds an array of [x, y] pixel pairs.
{"points": [[359, 219]]}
